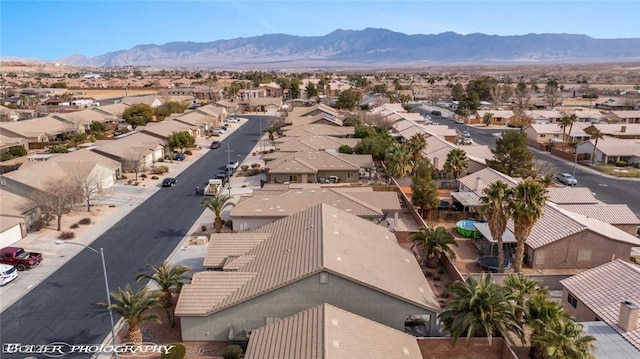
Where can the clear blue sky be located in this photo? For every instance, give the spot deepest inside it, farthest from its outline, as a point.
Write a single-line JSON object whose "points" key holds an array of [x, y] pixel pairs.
{"points": [[55, 29]]}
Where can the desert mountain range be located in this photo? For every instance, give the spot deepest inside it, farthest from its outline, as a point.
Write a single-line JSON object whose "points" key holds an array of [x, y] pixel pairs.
{"points": [[370, 48]]}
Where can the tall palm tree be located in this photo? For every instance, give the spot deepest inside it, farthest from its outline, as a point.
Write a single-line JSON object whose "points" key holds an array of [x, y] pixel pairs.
{"points": [[565, 339], [573, 118], [217, 203], [496, 208], [540, 313], [415, 146], [526, 206], [564, 123], [456, 162], [132, 308], [487, 118], [167, 277], [433, 242], [596, 135], [481, 309], [397, 161]]}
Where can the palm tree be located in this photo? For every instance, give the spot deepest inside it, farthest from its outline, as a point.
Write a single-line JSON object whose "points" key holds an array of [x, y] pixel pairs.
{"points": [[565, 121], [496, 208], [595, 135], [217, 203], [456, 162], [487, 118], [481, 309], [546, 180], [167, 277], [433, 242], [415, 146], [540, 313], [397, 160], [526, 206], [565, 339], [132, 307], [573, 118]]}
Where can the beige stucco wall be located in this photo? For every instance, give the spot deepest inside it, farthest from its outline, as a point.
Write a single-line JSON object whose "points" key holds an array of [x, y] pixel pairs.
{"points": [[581, 312], [299, 296], [564, 253]]}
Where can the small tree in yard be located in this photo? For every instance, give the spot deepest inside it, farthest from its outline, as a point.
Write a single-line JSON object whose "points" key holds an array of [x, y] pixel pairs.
{"points": [[132, 161], [425, 190], [181, 140], [89, 182], [57, 197], [138, 114]]}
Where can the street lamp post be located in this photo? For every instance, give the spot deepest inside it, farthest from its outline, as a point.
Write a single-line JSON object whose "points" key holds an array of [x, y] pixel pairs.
{"points": [[575, 162], [106, 284], [229, 169]]}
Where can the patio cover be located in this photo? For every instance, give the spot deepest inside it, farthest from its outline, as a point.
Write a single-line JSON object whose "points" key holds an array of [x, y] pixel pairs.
{"points": [[483, 228], [468, 199]]}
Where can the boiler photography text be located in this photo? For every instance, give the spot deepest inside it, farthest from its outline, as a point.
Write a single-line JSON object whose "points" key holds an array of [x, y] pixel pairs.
{"points": [[60, 349]]}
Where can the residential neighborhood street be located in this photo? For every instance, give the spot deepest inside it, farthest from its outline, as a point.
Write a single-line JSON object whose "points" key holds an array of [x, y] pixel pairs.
{"points": [[64, 306], [606, 188]]}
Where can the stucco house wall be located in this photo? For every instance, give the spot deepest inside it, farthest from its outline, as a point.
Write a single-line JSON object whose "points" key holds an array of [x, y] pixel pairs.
{"points": [[581, 312], [593, 249], [299, 296]]}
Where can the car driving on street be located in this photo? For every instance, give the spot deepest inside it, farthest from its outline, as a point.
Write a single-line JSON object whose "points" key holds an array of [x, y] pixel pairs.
{"points": [[567, 179], [169, 182]]}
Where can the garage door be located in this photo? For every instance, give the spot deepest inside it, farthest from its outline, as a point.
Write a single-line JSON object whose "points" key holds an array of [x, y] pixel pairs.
{"points": [[10, 236]]}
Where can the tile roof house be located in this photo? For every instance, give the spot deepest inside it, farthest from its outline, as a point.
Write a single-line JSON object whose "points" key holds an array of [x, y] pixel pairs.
{"points": [[608, 293], [135, 145], [571, 195], [264, 206], [501, 117], [319, 130], [619, 130], [41, 129], [565, 239], [327, 332], [164, 129], [548, 133], [15, 211], [618, 215], [151, 100], [317, 167], [83, 119], [314, 143], [631, 116], [611, 150], [319, 255], [471, 187]]}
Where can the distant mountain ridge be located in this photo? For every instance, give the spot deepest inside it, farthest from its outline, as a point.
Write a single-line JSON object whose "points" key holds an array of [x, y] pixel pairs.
{"points": [[370, 48]]}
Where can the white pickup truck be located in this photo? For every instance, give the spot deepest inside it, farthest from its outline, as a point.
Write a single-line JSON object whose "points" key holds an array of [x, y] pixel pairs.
{"points": [[213, 187]]}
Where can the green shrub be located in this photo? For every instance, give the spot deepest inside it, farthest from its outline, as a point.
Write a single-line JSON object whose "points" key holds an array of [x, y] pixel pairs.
{"points": [[437, 277], [428, 274], [74, 226], [123, 177], [158, 170], [178, 351], [244, 167], [143, 175], [67, 235], [232, 352], [188, 152], [155, 177], [160, 160], [255, 165], [621, 164], [85, 221]]}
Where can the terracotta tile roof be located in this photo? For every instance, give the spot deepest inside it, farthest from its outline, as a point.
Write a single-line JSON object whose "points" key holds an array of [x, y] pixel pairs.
{"points": [[557, 223], [327, 332], [612, 146], [615, 129], [323, 238], [295, 200], [608, 213], [320, 130], [312, 162], [571, 195], [487, 176], [315, 143], [603, 288], [224, 245], [35, 127], [208, 290]]}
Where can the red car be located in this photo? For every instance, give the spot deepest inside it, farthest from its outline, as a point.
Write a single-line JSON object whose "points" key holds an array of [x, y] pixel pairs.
{"points": [[215, 144]]}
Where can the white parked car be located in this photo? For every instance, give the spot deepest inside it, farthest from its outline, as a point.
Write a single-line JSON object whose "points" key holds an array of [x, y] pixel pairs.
{"points": [[459, 120], [567, 179], [7, 273]]}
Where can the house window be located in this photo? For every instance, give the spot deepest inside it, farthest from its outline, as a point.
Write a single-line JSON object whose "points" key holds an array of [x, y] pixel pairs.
{"points": [[584, 255], [543, 135], [572, 300], [539, 257], [349, 175], [324, 278], [293, 178]]}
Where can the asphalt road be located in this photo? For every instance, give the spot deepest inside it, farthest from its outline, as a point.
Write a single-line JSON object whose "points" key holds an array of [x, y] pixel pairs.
{"points": [[63, 307], [607, 189]]}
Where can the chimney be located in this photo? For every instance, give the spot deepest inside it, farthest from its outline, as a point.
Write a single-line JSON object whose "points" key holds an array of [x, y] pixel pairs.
{"points": [[623, 129], [436, 162], [478, 184], [628, 318]]}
